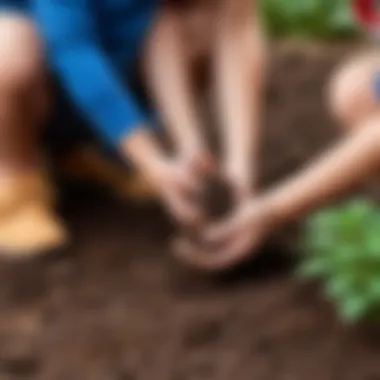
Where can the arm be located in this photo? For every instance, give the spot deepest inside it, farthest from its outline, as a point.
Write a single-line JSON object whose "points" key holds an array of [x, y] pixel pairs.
{"points": [[87, 74], [351, 162], [239, 60], [348, 164], [99, 94], [166, 57]]}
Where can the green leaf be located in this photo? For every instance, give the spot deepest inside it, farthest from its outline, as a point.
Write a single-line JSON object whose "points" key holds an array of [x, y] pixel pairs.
{"points": [[310, 18], [359, 209], [353, 308], [313, 267], [352, 219], [374, 288], [324, 220], [339, 287], [320, 244], [320, 232], [346, 254], [372, 242], [341, 19], [343, 246]]}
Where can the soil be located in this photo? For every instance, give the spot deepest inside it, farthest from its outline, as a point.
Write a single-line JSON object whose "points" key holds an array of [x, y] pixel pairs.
{"points": [[114, 306], [216, 201]]}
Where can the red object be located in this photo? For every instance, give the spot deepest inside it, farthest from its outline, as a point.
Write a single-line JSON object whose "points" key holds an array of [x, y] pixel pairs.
{"points": [[367, 13]]}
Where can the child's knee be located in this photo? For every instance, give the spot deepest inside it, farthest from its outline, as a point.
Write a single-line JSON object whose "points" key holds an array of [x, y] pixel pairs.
{"points": [[21, 57], [351, 93]]}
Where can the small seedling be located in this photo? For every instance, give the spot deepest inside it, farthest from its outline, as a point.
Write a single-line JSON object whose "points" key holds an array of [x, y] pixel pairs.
{"points": [[343, 251]]}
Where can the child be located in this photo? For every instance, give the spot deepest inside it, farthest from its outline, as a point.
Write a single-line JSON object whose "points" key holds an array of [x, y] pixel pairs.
{"points": [[87, 47], [353, 97]]}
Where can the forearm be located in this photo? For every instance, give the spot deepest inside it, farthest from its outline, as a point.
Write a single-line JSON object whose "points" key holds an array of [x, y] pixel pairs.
{"points": [[168, 72], [351, 162], [239, 64], [110, 107], [142, 149]]}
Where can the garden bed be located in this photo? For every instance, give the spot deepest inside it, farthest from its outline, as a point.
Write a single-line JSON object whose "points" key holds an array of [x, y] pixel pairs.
{"points": [[115, 306]]}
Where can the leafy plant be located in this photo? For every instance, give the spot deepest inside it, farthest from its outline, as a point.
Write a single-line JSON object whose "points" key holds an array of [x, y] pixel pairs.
{"points": [[343, 251], [323, 19]]}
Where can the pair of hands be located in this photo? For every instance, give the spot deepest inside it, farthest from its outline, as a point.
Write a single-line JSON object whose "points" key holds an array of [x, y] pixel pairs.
{"points": [[178, 181], [236, 237]]}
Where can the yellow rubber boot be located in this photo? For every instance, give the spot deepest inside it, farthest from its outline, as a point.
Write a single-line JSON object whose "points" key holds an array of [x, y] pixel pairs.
{"points": [[89, 164], [28, 225]]}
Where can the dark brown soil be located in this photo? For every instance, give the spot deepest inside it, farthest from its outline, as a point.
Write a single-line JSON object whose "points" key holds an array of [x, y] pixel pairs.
{"points": [[115, 307]]}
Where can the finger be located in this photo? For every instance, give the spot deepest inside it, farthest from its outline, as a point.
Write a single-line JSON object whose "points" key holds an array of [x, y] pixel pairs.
{"points": [[202, 165], [241, 185], [240, 220], [199, 162], [188, 182], [236, 252], [221, 231], [182, 246], [195, 257], [190, 254], [242, 194], [183, 209]]}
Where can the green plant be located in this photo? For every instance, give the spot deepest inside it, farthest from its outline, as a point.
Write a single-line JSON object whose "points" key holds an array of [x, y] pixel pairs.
{"points": [[343, 251], [323, 19]]}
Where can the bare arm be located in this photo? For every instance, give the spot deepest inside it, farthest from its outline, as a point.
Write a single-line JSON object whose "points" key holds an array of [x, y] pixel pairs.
{"points": [[239, 61], [168, 74], [349, 163], [352, 161]]}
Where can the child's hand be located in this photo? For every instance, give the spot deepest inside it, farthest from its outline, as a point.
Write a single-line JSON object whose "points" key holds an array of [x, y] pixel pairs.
{"points": [[178, 183], [230, 241], [199, 159], [240, 180], [241, 233]]}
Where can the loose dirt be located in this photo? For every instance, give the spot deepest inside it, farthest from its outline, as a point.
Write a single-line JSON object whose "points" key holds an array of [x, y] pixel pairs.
{"points": [[115, 306]]}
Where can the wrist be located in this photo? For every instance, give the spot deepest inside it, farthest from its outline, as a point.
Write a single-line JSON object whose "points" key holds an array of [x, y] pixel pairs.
{"points": [[141, 148], [273, 210], [199, 158], [192, 148], [240, 175]]}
